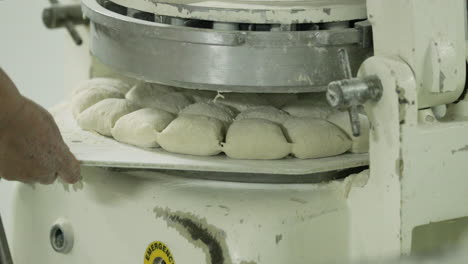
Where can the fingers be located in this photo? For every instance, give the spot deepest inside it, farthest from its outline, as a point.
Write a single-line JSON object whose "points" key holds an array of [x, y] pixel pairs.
{"points": [[68, 166], [48, 179], [32, 149]]}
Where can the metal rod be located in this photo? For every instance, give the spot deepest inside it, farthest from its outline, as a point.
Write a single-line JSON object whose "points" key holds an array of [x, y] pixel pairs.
{"points": [[5, 255], [354, 120], [73, 33], [345, 64], [69, 26]]}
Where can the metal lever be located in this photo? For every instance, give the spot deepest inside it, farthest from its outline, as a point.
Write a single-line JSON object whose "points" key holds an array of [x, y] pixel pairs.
{"points": [[5, 256], [67, 16], [350, 93]]}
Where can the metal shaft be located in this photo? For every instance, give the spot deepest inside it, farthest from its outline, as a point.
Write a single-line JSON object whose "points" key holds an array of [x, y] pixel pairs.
{"points": [[73, 33], [345, 64], [354, 119], [350, 93], [5, 255], [64, 16]]}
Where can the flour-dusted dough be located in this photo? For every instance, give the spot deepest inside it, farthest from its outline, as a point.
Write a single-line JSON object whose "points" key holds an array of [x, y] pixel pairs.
{"points": [[170, 102], [310, 105], [256, 139], [241, 102], [90, 97], [361, 143], [102, 116], [264, 112], [315, 138], [220, 112], [306, 109], [145, 93], [193, 135], [106, 83], [140, 128], [200, 96]]}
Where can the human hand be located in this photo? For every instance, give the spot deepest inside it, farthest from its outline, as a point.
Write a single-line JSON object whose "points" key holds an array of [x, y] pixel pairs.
{"points": [[32, 149]]}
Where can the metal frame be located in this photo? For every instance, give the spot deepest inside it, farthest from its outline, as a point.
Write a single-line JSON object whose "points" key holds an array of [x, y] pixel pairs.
{"points": [[229, 61], [248, 11]]}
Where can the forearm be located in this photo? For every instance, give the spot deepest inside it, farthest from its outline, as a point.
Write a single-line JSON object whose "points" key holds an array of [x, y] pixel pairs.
{"points": [[11, 100]]}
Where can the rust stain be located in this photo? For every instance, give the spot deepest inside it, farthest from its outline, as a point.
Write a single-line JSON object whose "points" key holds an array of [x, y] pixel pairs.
{"points": [[327, 11], [278, 238], [298, 200], [465, 148]]}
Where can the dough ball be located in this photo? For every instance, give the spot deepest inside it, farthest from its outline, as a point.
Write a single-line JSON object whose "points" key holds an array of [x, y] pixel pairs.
{"points": [[240, 101], [310, 105], [279, 100], [193, 135], [264, 112], [106, 83], [145, 93], [361, 143], [102, 116], [213, 110], [256, 139], [140, 128], [90, 97], [200, 96], [315, 138], [308, 109], [170, 102]]}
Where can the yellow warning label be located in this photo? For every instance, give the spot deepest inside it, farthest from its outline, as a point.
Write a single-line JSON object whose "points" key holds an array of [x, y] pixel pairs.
{"points": [[158, 253]]}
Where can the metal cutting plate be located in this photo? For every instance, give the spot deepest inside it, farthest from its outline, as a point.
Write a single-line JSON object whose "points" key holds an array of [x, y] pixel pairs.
{"points": [[255, 11], [96, 150], [221, 60]]}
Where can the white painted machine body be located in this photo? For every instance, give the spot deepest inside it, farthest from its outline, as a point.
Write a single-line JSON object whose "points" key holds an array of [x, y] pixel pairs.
{"points": [[414, 190]]}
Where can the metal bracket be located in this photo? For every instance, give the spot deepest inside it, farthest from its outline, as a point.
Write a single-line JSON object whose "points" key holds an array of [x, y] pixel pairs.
{"points": [[59, 15], [365, 29], [351, 93]]}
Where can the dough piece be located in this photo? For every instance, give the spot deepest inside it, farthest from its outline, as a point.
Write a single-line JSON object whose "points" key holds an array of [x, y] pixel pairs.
{"points": [[279, 100], [213, 110], [140, 128], [361, 143], [145, 93], [310, 105], [106, 83], [90, 97], [170, 102], [308, 109], [315, 138], [193, 135], [200, 96], [240, 101], [256, 139], [102, 116], [264, 112]]}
